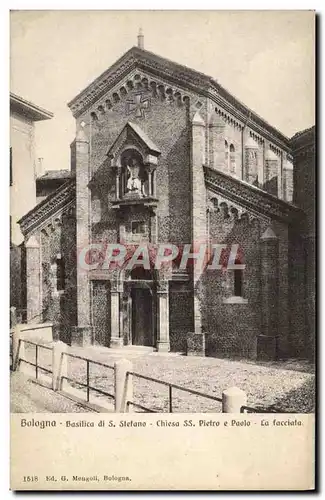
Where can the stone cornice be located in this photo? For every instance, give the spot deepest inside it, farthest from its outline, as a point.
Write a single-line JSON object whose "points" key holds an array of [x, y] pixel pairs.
{"points": [[182, 76], [53, 204], [250, 196]]}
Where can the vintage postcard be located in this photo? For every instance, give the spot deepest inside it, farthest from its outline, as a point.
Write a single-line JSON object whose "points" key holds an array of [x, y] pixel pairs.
{"points": [[162, 250]]}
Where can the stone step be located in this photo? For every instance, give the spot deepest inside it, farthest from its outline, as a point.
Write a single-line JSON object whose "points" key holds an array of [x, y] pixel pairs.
{"points": [[142, 348], [132, 350]]}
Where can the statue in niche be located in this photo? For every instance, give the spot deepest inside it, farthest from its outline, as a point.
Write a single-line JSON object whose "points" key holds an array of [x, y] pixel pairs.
{"points": [[134, 182], [135, 176]]}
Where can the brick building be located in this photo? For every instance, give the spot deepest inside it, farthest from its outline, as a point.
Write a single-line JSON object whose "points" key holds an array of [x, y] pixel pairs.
{"points": [[165, 154], [303, 241]]}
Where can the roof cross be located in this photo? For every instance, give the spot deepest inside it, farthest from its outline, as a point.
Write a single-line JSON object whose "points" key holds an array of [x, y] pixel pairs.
{"points": [[139, 104]]}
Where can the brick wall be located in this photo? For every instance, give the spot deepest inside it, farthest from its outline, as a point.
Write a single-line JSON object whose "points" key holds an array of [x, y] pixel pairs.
{"points": [[297, 294], [303, 245], [180, 319], [166, 124], [281, 231], [232, 327], [181, 214], [59, 307]]}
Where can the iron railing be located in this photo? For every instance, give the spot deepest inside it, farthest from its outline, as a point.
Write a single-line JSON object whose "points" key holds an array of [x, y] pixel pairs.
{"points": [[251, 409], [87, 385], [170, 392], [171, 386], [36, 365]]}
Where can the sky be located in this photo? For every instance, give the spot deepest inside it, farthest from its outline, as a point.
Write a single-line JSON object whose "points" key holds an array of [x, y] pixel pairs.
{"points": [[264, 58]]}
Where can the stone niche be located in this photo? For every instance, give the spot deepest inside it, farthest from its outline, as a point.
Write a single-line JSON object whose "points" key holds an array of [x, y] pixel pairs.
{"points": [[134, 159]]}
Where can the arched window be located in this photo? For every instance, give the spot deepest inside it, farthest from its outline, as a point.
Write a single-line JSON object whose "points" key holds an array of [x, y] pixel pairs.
{"points": [[232, 155], [238, 279], [233, 282], [238, 283], [226, 156], [58, 274]]}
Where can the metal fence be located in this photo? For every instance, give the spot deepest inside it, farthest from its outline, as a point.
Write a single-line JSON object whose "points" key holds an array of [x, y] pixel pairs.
{"points": [[87, 385], [36, 364], [250, 409], [170, 386]]}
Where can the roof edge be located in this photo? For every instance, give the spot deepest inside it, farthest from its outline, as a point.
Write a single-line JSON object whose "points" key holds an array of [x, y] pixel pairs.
{"points": [[28, 108], [99, 78], [303, 138], [202, 84], [54, 202]]}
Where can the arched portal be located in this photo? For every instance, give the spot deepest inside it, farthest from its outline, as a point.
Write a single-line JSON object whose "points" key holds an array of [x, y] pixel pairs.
{"points": [[142, 308], [138, 307]]}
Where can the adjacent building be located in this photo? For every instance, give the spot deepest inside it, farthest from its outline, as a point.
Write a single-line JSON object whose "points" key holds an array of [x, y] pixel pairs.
{"points": [[303, 240], [23, 173]]}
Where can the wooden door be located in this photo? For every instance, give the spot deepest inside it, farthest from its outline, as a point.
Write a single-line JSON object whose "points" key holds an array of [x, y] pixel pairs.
{"points": [[142, 332]]}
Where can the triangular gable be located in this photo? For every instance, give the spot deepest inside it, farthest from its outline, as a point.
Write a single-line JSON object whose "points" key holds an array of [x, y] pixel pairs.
{"points": [[132, 133], [179, 75], [140, 58]]}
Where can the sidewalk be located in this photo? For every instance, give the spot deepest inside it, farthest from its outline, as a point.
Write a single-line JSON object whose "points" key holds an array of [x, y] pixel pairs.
{"points": [[27, 396]]}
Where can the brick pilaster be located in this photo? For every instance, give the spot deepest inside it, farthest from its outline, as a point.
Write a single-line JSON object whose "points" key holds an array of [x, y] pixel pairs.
{"points": [[33, 278], [199, 215], [82, 160], [217, 143], [269, 281], [163, 344], [251, 161], [288, 181], [116, 304], [271, 177]]}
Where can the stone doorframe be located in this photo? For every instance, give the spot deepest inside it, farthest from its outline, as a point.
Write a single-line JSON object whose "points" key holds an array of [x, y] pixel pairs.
{"points": [[120, 291], [126, 320]]}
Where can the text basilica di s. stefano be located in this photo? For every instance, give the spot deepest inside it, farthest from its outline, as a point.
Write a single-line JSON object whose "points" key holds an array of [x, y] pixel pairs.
{"points": [[165, 157]]}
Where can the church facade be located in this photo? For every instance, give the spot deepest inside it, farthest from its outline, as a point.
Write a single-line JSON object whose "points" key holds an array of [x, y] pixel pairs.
{"points": [[164, 155]]}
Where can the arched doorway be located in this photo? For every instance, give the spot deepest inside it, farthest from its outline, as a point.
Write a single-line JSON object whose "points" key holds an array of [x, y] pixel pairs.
{"points": [[142, 309], [138, 306]]}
